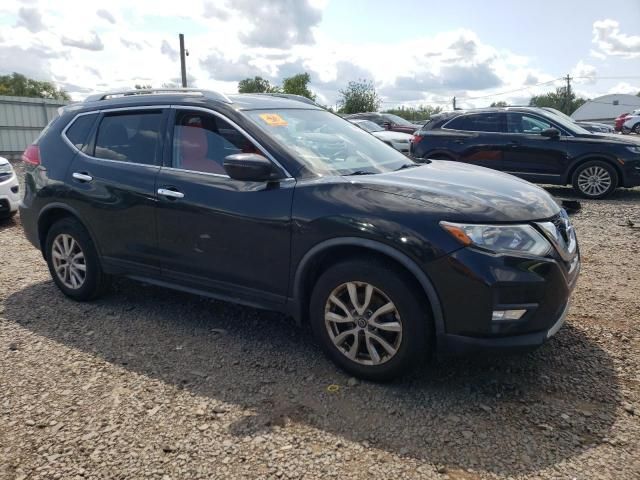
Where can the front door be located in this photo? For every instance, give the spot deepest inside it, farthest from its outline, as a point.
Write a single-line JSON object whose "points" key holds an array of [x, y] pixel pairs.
{"points": [[531, 155], [215, 233]]}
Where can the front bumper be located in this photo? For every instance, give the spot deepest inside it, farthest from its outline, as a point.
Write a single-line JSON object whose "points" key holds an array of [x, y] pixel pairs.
{"points": [[460, 344], [9, 196], [472, 284]]}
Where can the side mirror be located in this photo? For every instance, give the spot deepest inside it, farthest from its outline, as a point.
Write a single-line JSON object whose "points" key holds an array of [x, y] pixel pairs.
{"points": [[249, 167], [387, 125], [550, 133]]}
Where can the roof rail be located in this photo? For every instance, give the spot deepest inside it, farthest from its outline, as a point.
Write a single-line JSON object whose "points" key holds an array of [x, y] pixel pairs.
{"points": [[291, 96], [210, 94]]}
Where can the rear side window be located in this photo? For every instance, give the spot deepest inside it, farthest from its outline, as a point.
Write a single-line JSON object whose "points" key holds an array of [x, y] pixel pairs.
{"points": [[485, 122], [79, 130], [130, 137]]}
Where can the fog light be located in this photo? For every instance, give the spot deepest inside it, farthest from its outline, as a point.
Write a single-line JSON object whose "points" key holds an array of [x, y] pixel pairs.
{"points": [[499, 315]]}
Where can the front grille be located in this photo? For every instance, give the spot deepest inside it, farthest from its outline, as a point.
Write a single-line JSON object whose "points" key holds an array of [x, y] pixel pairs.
{"points": [[561, 234]]}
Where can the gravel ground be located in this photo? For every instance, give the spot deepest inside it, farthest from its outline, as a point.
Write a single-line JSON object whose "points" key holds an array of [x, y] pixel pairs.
{"points": [[150, 383]]}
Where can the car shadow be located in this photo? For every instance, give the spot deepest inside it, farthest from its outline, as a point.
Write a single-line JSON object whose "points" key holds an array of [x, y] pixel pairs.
{"points": [[504, 415]]}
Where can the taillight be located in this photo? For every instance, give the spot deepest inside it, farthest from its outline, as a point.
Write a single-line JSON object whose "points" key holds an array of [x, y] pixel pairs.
{"points": [[31, 155], [416, 139]]}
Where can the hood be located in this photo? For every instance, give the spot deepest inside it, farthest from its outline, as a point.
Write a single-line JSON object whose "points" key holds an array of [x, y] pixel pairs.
{"points": [[477, 194], [389, 135]]}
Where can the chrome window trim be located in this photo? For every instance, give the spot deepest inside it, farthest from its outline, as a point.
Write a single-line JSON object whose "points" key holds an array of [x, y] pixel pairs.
{"points": [[107, 110], [237, 127], [219, 175]]}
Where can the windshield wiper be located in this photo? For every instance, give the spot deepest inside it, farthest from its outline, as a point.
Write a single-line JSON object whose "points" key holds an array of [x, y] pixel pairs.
{"points": [[359, 172], [407, 165]]}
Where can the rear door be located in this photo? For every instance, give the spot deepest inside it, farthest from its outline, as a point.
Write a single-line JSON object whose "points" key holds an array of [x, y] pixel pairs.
{"points": [[113, 186], [227, 236], [530, 155], [477, 138]]}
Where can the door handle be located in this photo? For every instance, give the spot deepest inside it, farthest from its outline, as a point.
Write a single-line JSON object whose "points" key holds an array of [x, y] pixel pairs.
{"points": [[165, 192], [82, 177]]}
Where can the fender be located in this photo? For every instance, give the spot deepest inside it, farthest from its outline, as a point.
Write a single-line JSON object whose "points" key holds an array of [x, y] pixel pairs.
{"points": [[401, 258], [72, 211]]}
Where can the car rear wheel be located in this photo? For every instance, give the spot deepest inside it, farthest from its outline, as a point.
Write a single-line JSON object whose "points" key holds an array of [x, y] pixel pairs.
{"points": [[595, 179], [370, 319], [73, 261], [636, 128]]}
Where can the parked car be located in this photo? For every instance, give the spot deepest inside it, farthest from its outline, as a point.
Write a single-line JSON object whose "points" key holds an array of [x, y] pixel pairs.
{"points": [[398, 140], [246, 198], [9, 190], [535, 145], [388, 121], [593, 127], [619, 121], [632, 122]]}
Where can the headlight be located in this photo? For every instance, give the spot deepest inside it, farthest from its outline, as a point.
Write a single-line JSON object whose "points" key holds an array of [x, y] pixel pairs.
{"points": [[634, 149], [6, 168], [500, 238]]}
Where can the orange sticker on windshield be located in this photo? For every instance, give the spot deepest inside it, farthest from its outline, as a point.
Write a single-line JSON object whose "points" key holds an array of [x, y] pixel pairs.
{"points": [[273, 119]]}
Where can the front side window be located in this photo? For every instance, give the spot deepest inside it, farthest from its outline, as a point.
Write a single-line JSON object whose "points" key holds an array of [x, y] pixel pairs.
{"points": [[326, 144], [129, 136], [201, 142], [528, 124], [480, 122]]}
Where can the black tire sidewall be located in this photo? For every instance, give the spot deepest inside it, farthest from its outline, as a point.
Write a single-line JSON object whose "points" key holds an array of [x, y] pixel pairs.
{"points": [[94, 280], [598, 163], [414, 314]]}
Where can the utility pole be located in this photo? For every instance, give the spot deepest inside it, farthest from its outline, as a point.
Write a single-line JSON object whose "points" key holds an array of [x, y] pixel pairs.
{"points": [[567, 98], [183, 66], [454, 103]]}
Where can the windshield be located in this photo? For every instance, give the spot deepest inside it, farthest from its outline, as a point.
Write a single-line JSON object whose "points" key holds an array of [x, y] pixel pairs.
{"points": [[569, 124], [369, 126], [398, 120], [327, 144]]}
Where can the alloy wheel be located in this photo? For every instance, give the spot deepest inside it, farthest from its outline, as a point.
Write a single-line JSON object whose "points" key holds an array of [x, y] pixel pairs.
{"points": [[594, 181], [68, 261], [363, 323]]}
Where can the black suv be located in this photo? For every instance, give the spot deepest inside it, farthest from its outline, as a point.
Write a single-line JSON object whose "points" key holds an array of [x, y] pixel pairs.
{"points": [[276, 203], [533, 144]]}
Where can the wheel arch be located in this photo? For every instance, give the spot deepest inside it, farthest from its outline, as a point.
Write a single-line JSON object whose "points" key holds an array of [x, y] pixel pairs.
{"points": [[600, 157], [51, 214], [313, 264], [439, 155]]}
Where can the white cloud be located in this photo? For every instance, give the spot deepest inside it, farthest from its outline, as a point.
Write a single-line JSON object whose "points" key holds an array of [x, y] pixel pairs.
{"points": [[610, 41], [30, 19], [106, 15], [624, 87], [87, 42]]}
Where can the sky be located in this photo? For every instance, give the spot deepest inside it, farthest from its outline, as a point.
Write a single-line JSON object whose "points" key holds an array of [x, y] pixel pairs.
{"points": [[415, 52]]}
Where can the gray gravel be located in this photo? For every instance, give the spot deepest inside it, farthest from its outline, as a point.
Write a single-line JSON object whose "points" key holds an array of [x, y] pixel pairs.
{"points": [[150, 383]]}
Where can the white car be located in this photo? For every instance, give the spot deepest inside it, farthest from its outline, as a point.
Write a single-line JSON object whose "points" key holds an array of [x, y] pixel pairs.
{"points": [[9, 189], [632, 122], [398, 140]]}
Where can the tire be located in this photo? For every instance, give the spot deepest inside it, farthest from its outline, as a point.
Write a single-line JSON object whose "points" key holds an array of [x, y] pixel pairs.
{"points": [[68, 232], [389, 285], [595, 179], [636, 128], [7, 216]]}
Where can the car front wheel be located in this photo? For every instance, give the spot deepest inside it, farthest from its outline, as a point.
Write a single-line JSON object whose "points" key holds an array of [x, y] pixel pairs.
{"points": [[370, 319], [595, 179], [73, 261]]}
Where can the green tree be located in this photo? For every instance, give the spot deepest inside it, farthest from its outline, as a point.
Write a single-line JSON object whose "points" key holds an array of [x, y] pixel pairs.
{"points": [[256, 85], [499, 104], [298, 85], [359, 97], [559, 100], [415, 114], [17, 85]]}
